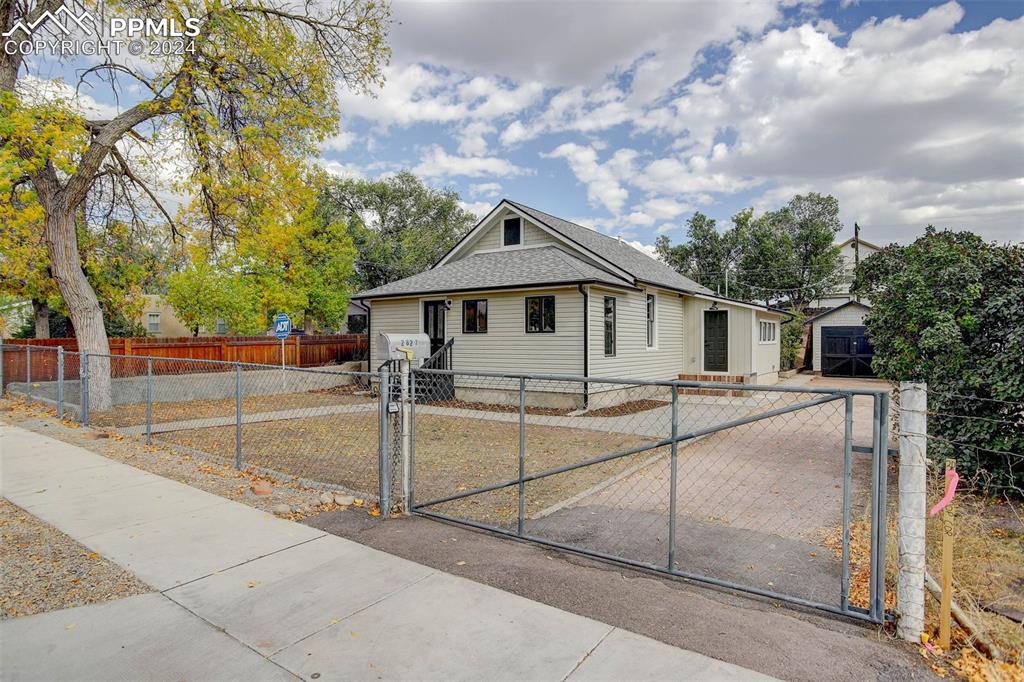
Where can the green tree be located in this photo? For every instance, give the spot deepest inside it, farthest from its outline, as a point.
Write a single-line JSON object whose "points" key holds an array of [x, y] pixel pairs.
{"points": [[947, 311], [707, 255], [201, 294], [400, 226], [248, 102]]}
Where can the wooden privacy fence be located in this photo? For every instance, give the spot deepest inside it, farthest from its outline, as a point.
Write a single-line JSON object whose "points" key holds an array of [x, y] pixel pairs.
{"points": [[300, 351]]}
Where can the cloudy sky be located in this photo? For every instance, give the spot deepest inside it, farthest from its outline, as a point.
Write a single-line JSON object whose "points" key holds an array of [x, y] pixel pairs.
{"points": [[630, 116]]}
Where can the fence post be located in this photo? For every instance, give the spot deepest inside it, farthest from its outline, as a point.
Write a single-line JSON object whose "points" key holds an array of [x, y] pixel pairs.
{"points": [[149, 401], [238, 416], [83, 373], [412, 442], [673, 485], [28, 371], [520, 526], [385, 444], [1, 367], [403, 367], [913, 481], [844, 587], [60, 382]]}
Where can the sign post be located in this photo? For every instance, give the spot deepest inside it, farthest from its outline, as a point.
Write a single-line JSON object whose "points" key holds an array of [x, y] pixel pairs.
{"points": [[282, 328]]}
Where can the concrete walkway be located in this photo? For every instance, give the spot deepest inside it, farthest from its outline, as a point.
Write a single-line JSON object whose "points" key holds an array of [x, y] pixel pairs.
{"points": [[241, 594]]}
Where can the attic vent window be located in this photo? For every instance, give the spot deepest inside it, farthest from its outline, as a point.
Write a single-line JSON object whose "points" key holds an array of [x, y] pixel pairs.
{"points": [[512, 232]]}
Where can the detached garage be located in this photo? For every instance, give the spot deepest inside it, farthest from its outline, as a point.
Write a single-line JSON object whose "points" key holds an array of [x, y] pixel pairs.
{"points": [[839, 342]]}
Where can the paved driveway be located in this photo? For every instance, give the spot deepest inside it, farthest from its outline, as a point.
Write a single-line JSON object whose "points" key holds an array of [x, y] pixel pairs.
{"points": [[756, 504]]}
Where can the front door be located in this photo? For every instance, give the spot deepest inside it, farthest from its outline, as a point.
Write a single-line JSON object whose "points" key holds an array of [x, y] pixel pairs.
{"points": [[716, 341], [433, 323]]}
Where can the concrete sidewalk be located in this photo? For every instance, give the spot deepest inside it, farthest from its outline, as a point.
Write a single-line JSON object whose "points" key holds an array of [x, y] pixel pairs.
{"points": [[241, 594]]}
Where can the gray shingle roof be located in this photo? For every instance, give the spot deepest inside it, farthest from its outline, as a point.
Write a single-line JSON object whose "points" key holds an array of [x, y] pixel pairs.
{"points": [[620, 254], [505, 269]]}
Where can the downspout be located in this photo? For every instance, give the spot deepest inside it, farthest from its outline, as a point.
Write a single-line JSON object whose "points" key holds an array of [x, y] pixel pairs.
{"points": [[586, 344], [369, 338]]}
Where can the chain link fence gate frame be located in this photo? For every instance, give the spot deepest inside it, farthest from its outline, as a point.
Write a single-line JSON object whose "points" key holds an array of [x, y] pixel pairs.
{"points": [[520, 408]]}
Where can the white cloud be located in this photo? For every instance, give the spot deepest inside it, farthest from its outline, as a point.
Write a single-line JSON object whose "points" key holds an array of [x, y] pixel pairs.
{"points": [[341, 170], [477, 208], [485, 189], [339, 142], [472, 138], [437, 163], [646, 249], [603, 180]]}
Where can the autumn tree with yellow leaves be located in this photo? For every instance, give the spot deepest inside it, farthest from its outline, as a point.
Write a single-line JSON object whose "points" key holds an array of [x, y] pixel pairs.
{"points": [[241, 111]]}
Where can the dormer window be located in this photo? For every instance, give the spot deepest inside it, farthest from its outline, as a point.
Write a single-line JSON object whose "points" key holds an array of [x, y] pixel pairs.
{"points": [[512, 232]]}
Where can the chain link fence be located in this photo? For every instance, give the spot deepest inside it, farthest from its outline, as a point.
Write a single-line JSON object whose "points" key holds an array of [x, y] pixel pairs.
{"points": [[764, 489], [771, 490], [319, 426]]}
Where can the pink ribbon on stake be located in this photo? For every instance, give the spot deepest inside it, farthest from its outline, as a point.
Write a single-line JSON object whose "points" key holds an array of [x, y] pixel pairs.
{"points": [[954, 478]]}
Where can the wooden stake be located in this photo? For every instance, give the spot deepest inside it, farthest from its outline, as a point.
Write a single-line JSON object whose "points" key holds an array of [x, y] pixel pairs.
{"points": [[945, 604]]}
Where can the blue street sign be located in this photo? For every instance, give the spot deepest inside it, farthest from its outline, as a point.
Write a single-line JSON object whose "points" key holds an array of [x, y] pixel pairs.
{"points": [[282, 325]]}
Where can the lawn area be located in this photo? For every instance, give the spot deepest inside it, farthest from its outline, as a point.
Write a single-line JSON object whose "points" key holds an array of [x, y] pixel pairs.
{"points": [[452, 454], [163, 412]]}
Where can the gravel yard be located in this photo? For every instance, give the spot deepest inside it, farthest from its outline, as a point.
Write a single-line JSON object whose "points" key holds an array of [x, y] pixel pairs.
{"points": [[44, 570], [452, 454]]}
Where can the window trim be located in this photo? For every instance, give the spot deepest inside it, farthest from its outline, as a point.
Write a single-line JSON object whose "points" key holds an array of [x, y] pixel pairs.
{"points": [[522, 233], [526, 314], [651, 320], [465, 306], [604, 326]]}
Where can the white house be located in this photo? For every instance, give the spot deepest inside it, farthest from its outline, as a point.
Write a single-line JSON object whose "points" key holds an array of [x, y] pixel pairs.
{"points": [[527, 292], [841, 293]]}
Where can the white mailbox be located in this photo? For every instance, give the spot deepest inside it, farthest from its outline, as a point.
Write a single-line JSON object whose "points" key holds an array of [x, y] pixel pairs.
{"points": [[389, 346]]}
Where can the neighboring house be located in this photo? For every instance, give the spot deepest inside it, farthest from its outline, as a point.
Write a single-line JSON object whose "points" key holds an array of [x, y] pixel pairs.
{"points": [[839, 344], [15, 314], [356, 318], [159, 320], [527, 292], [841, 293]]}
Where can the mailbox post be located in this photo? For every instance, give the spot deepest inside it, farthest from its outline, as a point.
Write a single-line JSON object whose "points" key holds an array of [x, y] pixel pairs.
{"points": [[406, 349]]}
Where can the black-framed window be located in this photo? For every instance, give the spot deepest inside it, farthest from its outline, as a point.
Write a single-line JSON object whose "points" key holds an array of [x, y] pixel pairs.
{"points": [[474, 316], [540, 314], [512, 232], [651, 312], [609, 325]]}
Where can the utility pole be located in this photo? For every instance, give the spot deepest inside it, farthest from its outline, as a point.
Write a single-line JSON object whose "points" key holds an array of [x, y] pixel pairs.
{"points": [[856, 252]]}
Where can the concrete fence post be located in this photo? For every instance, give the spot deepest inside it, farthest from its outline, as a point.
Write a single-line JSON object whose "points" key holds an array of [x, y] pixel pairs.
{"points": [[913, 481]]}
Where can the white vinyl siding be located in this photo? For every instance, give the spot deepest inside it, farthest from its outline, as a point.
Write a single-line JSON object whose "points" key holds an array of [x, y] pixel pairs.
{"points": [[403, 316], [769, 354], [633, 359], [506, 347], [491, 238], [740, 336]]}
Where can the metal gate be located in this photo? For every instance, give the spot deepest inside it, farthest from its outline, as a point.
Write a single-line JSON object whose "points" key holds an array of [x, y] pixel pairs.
{"points": [[772, 490]]}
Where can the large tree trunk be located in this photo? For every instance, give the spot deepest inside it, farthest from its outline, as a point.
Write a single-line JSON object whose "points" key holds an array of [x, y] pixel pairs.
{"points": [[80, 298], [41, 312]]}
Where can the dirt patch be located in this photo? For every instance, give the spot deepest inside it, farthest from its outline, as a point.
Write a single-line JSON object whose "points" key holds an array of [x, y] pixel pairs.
{"points": [[495, 407], [164, 412], [630, 407], [453, 454], [44, 570]]}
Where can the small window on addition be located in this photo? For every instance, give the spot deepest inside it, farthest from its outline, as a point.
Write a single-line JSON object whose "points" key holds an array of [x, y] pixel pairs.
{"points": [[512, 232], [474, 317], [540, 314]]}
